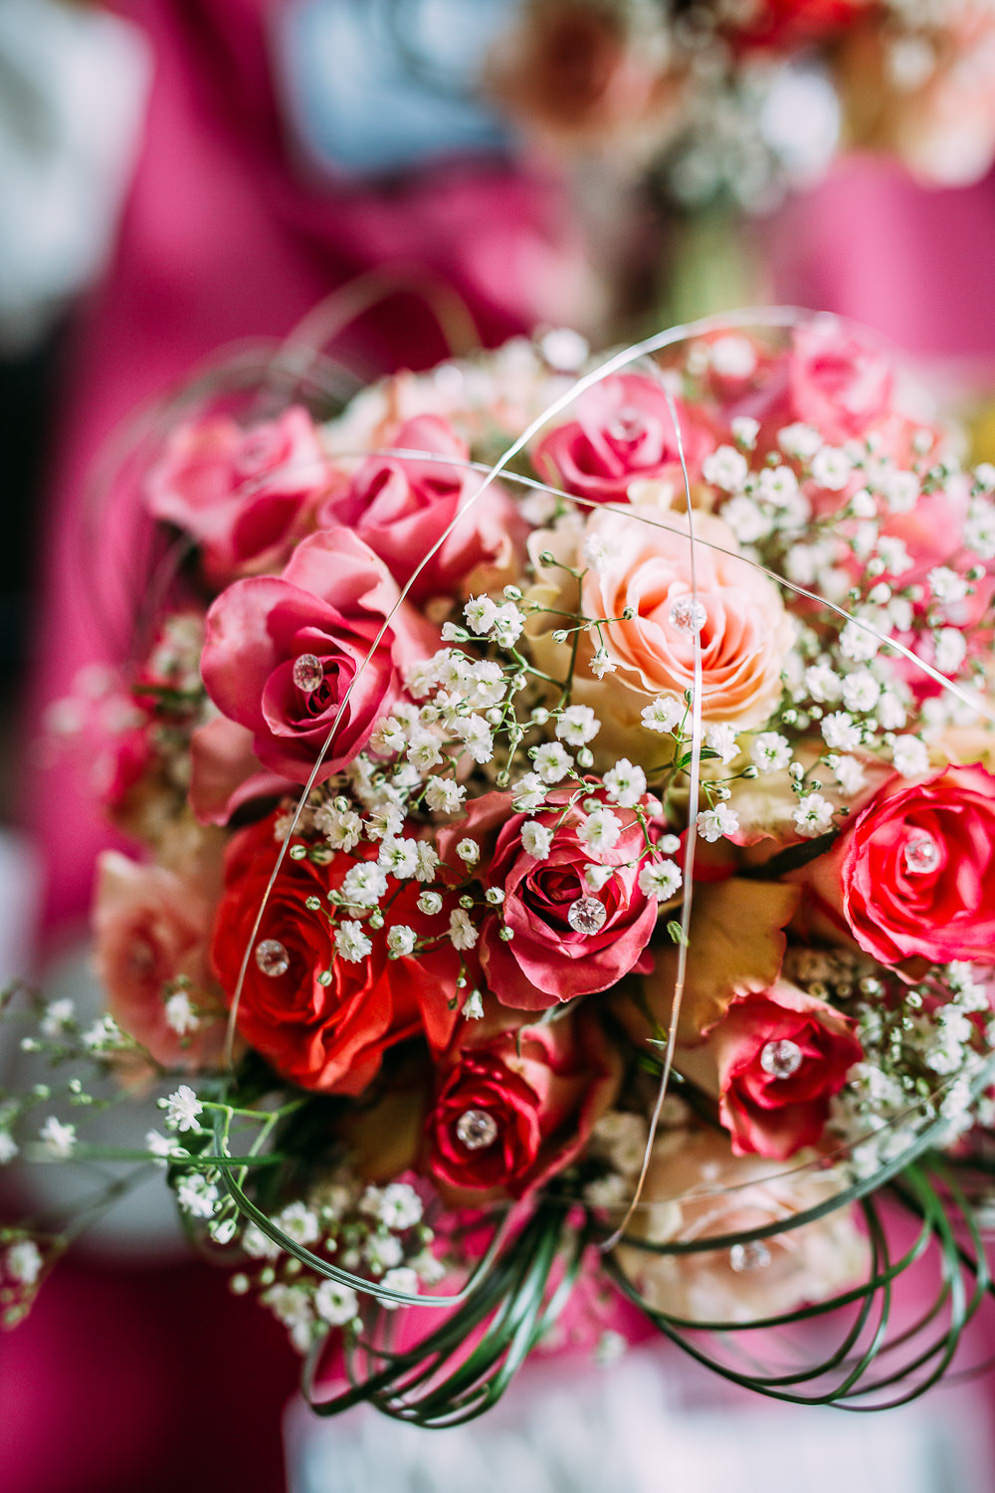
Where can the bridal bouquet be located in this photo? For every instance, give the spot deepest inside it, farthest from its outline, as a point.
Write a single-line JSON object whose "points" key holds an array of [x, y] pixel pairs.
{"points": [[746, 98], [562, 798]]}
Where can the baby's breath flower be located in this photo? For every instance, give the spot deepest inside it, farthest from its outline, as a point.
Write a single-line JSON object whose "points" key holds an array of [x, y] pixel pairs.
{"points": [[600, 830], [351, 943], [59, 1016], [341, 827], [770, 751], [552, 762], [910, 756], [8, 1147], [480, 613], [400, 1206], [725, 468], [430, 903], [180, 1014], [364, 884], [663, 714], [813, 815], [799, 441], [714, 823], [400, 1278], [840, 732], [660, 879], [529, 793], [399, 858], [468, 851], [473, 1006], [537, 839], [625, 783], [196, 1195], [831, 468], [443, 796], [401, 940], [182, 1109], [335, 1304], [601, 664], [298, 1222], [462, 932], [577, 725], [23, 1262], [721, 737]]}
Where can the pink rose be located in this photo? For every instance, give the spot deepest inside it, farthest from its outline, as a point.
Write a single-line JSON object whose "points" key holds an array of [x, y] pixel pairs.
{"points": [[402, 507], [696, 1189], [547, 959], [282, 651], [780, 1056], [622, 431], [914, 874], [152, 928], [242, 492], [532, 1097], [644, 569]]}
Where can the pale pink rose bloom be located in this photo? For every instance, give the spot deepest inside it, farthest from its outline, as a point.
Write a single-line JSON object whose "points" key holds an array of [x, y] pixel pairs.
{"points": [[646, 567], [151, 928], [696, 1189]]}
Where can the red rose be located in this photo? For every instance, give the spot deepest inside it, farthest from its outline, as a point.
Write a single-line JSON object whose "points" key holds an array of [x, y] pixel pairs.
{"points": [[401, 507], [518, 1107], [281, 651], [330, 1036], [243, 493], [780, 1056], [622, 431], [784, 24], [915, 872], [547, 959]]}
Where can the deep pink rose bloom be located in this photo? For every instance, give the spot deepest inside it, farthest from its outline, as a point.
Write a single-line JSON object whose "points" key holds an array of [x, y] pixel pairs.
{"points": [[243, 493], [547, 960], [838, 383], [327, 607], [915, 872], [622, 431], [774, 1115], [402, 507], [538, 1091]]}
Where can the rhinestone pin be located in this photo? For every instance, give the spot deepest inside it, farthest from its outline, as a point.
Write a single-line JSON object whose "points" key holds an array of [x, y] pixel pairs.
{"points": [[628, 425], [687, 614], [272, 957], [781, 1059], [587, 915], [753, 1255], [476, 1129], [308, 674], [921, 854]]}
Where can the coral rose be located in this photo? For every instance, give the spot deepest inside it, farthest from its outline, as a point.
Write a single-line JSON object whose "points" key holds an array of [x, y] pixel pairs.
{"points": [[320, 1019], [914, 874], [151, 929], [696, 1189], [640, 579]]}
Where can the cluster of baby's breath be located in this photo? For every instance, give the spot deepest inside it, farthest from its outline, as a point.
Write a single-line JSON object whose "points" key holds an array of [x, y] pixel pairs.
{"points": [[926, 1047], [378, 1233]]}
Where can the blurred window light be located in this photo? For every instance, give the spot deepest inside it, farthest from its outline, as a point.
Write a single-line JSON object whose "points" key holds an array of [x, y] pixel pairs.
{"points": [[73, 84], [379, 86]]}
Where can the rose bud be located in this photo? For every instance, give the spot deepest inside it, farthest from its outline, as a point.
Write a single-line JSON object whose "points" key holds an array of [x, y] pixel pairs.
{"points": [[515, 1108], [775, 1060]]}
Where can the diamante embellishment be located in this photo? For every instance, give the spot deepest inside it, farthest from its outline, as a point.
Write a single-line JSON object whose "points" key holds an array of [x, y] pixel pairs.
{"points": [[782, 1058], [628, 425], [308, 673], [921, 854], [751, 1256], [272, 957], [688, 615], [587, 915], [476, 1129]]}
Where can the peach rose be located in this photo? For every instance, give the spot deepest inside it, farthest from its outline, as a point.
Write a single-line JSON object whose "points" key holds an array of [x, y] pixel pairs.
{"points": [[644, 569], [696, 1189], [151, 928]]}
